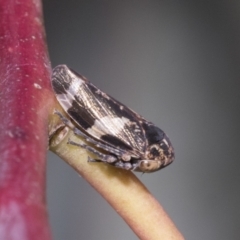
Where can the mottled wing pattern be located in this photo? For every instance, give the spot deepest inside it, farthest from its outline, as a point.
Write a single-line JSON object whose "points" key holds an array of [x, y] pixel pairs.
{"points": [[100, 115]]}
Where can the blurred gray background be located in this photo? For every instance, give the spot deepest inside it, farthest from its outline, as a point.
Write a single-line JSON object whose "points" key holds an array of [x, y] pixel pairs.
{"points": [[177, 64]]}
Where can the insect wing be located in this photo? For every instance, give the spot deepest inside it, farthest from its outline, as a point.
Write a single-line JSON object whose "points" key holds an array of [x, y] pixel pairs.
{"points": [[100, 115]]}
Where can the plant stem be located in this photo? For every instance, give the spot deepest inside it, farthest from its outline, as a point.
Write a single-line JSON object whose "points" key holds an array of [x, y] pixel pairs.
{"points": [[121, 188], [24, 88]]}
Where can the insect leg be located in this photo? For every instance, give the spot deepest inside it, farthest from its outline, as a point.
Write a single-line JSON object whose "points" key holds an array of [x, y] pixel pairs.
{"points": [[118, 164], [98, 144], [123, 165], [66, 121], [103, 157]]}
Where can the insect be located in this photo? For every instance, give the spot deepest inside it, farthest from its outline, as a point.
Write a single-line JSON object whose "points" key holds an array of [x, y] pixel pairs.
{"points": [[117, 135]]}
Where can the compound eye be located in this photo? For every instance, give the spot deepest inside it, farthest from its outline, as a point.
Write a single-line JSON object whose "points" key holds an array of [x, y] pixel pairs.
{"points": [[149, 165], [155, 151]]}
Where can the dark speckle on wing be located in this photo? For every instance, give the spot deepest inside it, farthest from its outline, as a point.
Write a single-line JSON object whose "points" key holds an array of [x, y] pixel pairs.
{"points": [[115, 141], [59, 87], [80, 115]]}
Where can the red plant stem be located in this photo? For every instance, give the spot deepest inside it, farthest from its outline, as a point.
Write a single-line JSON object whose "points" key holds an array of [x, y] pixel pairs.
{"points": [[25, 99]]}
